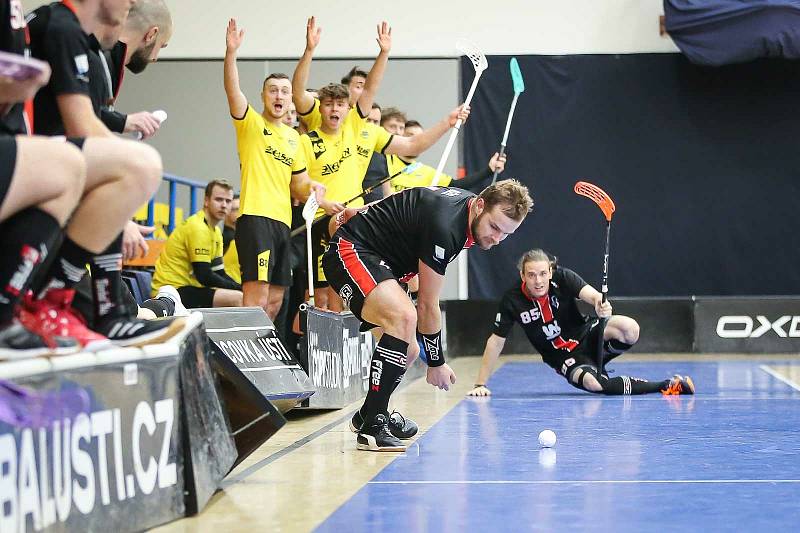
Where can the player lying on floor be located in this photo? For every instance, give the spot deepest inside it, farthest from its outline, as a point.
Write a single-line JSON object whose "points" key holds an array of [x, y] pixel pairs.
{"points": [[546, 308]]}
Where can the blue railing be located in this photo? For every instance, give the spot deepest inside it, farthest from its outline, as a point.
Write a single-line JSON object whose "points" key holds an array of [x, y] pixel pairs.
{"points": [[173, 182]]}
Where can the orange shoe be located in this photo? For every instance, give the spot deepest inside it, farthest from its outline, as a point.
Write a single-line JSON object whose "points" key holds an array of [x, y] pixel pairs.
{"points": [[679, 385], [53, 317]]}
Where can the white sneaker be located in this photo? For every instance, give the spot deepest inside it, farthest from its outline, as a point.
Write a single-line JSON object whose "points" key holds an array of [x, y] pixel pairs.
{"points": [[168, 291]]}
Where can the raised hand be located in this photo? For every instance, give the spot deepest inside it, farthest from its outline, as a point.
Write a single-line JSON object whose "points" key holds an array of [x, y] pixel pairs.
{"points": [[384, 37], [234, 36], [460, 113], [603, 309], [312, 34], [497, 163]]}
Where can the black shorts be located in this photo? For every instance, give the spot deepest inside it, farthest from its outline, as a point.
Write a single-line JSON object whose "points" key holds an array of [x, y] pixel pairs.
{"points": [[585, 354], [8, 162], [263, 247], [353, 271], [77, 141], [196, 297], [319, 242]]}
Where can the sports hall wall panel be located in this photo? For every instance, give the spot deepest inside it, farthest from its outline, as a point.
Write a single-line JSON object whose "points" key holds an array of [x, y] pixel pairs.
{"points": [[421, 28], [702, 164]]}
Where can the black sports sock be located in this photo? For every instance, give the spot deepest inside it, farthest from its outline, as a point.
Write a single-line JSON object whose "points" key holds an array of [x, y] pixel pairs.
{"points": [[69, 267], [624, 385], [107, 282], [397, 383], [28, 237], [386, 369], [160, 306], [614, 348]]}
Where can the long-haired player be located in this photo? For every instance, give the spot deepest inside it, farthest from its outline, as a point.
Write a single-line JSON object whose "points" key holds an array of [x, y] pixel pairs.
{"points": [[545, 305]]}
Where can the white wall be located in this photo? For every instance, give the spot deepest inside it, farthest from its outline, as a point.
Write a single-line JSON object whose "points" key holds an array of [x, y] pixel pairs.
{"points": [[421, 28]]}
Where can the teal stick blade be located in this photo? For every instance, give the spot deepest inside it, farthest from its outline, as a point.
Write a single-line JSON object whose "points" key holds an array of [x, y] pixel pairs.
{"points": [[516, 76]]}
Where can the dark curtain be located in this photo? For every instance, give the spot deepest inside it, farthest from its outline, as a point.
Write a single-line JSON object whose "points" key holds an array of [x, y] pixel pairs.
{"points": [[720, 32], [703, 164]]}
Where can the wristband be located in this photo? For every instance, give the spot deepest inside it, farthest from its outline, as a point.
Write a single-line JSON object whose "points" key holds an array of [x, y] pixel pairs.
{"points": [[431, 346]]}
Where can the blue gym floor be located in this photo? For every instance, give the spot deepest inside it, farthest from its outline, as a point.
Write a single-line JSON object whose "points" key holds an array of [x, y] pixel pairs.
{"points": [[726, 459]]}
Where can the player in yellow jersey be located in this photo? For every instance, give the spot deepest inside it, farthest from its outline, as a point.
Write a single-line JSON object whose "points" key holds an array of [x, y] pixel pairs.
{"points": [[362, 88], [273, 170], [192, 258], [423, 175], [337, 151]]}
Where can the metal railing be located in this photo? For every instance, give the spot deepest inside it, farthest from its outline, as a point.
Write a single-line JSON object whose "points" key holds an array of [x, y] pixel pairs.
{"points": [[173, 182]]}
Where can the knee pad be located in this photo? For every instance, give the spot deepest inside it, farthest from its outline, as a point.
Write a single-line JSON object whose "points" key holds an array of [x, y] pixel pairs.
{"points": [[585, 377]]}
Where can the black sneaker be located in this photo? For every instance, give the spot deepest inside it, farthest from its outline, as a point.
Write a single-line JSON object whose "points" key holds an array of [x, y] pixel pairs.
{"points": [[123, 331], [356, 422], [400, 426], [376, 437], [17, 342]]}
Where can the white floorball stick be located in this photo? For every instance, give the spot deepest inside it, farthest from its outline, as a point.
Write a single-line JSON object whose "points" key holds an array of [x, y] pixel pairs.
{"points": [[160, 115], [309, 210], [479, 64]]}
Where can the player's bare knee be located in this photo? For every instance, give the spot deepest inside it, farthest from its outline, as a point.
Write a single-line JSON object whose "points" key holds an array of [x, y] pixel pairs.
{"points": [[69, 178], [402, 322], [143, 170], [630, 331]]}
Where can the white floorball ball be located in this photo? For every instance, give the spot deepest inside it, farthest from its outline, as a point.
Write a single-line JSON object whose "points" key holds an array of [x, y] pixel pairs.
{"points": [[547, 438]]}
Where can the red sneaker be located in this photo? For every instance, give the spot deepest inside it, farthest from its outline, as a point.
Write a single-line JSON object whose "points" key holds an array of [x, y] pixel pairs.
{"points": [[53, 317]]}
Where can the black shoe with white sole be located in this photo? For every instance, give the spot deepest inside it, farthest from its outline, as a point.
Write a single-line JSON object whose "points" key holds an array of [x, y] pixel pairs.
{"points": [[375, 436], [123, 331], [400, 426]]}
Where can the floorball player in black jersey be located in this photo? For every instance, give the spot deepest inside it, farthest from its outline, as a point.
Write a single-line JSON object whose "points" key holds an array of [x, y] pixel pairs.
{"points": [[417, 231], [544, 304]]}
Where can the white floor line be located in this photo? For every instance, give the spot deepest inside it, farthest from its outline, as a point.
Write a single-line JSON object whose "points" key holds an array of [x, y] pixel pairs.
{"points": [[779, 377], [588, 482]]}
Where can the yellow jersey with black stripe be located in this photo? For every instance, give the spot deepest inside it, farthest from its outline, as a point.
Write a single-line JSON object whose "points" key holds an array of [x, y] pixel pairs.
{"points": [[268, 156], [340, 161], [194, 241], [231, 262], [422, 176]]}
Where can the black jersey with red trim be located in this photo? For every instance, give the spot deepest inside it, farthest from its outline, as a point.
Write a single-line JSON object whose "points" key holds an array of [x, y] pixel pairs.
{"points": [[428, 224], [552, 323], [13, 39], [57, 37]]}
